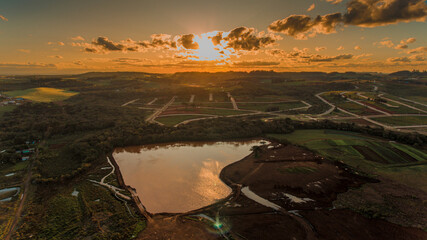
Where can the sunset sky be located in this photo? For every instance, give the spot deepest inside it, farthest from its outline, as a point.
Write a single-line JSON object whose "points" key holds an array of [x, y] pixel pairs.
{"points": [[60, 36]]}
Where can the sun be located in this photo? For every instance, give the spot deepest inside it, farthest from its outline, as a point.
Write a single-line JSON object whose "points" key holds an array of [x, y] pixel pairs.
{"points": [[207, 51]]}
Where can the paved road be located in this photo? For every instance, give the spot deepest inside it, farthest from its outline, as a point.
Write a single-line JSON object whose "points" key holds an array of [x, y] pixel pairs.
{"points": [[362, 104], [233, 101], [153, 101], [413, 102], [403, 104], [324, 100], [158, 112], [130, 102], [350, 113]]}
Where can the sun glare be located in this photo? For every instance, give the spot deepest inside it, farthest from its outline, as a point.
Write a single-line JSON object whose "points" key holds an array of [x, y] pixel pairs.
{"points": [[207, 50]]}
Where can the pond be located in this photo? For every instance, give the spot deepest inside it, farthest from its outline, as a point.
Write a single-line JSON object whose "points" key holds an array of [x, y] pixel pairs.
{"points": [[180, 177]]}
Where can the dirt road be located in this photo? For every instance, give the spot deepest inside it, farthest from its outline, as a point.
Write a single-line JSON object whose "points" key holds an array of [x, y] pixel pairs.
{"points": [[24, 195]]}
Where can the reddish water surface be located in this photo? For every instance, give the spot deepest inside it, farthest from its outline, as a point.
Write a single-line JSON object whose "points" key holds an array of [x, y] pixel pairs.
{"points": [[179, 177]]}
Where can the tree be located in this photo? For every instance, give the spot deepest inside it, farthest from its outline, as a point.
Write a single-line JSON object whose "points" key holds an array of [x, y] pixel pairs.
{"points": [[256, 150]]}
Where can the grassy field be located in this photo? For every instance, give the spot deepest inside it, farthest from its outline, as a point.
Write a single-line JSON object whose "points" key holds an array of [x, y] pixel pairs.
{"points": [[266, 98], [266, 106], [220, 112], [356, 108], [6, 108], [371, 155], [403, 121], [399, 109], [42, 94], [173, 120], [215, 104]]}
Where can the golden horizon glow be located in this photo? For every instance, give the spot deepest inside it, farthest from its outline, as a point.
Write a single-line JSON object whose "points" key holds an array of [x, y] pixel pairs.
{"points": [[207, 51]]}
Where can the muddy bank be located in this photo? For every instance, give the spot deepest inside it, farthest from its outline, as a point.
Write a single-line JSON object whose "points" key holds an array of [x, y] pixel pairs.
{"points": [[303, 185], [135, 199]]}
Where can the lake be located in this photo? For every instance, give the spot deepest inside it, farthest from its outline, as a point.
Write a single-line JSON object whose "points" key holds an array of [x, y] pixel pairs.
{"points": [[179, 177]]}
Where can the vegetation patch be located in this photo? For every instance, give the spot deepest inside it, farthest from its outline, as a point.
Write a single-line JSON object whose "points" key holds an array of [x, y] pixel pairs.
{"points": [[403, 121], [5, 109], [175, 119]]}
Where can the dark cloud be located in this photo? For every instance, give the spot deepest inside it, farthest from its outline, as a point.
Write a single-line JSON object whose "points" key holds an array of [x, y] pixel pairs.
{"points": [[159, 41], [90, 50], [108, 45], [364, 13], [217, 38], [319, 58], [187, 41], [298, 25], [244, 38], [303, 56], [371, 13]]}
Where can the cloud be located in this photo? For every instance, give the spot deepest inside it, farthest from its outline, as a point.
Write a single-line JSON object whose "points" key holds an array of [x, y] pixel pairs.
{"points": [[255, 64], [399, 59], [57, 56], [159, 41], [319, 58], [77, 38], [26, 65], [108, 45], [302, 56], [417, 50], [318, 49], [357, 47], [216, 40], [402, 45], [340, 48], [243, 38], [311, 8], [387, 43], [363, 13], [371, 13], [334, 1], [418, 57], [187, 42], [303, 26], [53, 43], [3, 18], [24, 50]]}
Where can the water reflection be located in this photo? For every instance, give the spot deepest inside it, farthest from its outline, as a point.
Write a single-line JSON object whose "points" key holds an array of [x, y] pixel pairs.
{"points": [[179, 177]]}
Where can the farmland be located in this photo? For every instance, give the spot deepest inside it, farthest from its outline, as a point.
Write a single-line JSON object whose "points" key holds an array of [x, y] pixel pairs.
{"points": [[265, 107], [42, 94], [403, 121], [371, 155]]}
